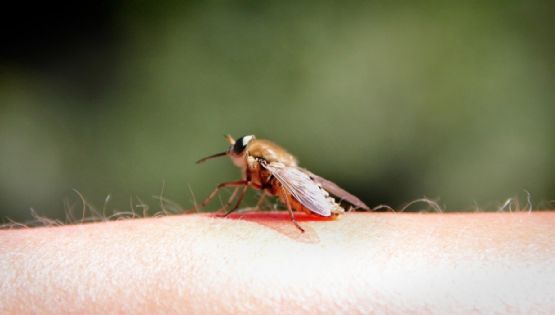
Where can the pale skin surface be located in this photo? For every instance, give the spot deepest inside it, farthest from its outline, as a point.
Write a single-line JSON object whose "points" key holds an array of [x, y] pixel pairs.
{"points": [[261, 263]]}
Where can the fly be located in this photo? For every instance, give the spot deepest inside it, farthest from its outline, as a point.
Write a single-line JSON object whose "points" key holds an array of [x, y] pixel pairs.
{"points": [[268, 167]]}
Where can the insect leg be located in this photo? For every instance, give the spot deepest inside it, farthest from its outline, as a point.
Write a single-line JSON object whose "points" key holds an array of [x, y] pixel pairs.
{"points": [[261, 200], [239, 200], [291, 211], [230, 199], [220, 186]]}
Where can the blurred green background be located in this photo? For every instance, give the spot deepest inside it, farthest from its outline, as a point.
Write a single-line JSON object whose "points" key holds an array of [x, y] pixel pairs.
{"points": [[394, 101]]}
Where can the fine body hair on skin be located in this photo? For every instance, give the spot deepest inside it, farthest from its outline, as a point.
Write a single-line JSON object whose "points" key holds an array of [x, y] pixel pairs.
{"points": [[140, 209]]}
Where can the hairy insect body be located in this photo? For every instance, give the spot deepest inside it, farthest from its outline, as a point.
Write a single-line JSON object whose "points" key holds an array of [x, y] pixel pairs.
{"points": [[268, 167], [264, 152], [270, 152]]}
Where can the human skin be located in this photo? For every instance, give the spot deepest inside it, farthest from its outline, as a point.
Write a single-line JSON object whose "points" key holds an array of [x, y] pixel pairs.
{"points": [[261, 263]]}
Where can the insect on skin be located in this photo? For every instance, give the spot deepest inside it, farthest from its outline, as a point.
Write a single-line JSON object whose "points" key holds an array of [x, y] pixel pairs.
{"points": [[268, 167]]}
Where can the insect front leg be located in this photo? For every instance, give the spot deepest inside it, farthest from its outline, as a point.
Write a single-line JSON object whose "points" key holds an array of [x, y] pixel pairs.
{"points": [[224, 185]]}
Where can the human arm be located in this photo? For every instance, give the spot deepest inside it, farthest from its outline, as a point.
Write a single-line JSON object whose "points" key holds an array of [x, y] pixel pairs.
{"points": [[260, 263]]}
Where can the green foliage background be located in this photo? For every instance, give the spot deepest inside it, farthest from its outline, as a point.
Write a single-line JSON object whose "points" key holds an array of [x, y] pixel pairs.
{"points": [[394, 101]]}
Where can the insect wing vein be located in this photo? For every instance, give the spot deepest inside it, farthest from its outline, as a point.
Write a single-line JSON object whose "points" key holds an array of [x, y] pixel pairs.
{"points": [[337, 191], [302, 187]]}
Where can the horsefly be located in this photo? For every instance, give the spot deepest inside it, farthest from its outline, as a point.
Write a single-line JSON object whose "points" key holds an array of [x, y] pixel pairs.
{"points": [[268, 167]]}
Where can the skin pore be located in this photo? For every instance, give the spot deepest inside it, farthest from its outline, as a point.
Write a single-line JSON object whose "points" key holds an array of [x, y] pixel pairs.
{"points": [[259, 262]]}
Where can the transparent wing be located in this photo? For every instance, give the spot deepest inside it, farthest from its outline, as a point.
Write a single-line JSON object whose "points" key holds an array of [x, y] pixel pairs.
{"points": [[302, 187], [336, 191]]}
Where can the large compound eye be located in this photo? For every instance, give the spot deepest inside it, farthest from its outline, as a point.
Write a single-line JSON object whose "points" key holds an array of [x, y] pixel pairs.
{"points": [[241, 144]]}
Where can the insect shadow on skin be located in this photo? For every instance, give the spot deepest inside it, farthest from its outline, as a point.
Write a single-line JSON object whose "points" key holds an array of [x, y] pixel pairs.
{"points": [[268, 167]]}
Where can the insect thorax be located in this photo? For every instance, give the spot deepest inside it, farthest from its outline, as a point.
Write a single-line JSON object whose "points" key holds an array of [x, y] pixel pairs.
{"points": [[270, 152], [257, 175]]}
